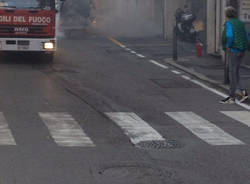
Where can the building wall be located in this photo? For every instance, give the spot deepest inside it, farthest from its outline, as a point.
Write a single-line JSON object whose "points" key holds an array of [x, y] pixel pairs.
{"points": [[211, 29], [215, 20]]}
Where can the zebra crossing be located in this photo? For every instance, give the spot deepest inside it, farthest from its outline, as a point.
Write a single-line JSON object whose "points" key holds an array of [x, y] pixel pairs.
{"points": [[6, 137], [67, 132], [135, 128], [203, 129]]}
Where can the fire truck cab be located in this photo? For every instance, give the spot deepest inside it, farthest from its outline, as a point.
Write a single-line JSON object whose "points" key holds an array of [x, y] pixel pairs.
{"points": [[28, 26]]}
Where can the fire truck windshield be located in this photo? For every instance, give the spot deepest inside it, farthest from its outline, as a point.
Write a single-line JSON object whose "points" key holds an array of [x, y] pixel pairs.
{"points": [[27, 4]]}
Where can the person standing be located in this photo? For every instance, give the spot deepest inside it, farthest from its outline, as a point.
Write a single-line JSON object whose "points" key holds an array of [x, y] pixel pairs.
{"points": [[235, 42]]}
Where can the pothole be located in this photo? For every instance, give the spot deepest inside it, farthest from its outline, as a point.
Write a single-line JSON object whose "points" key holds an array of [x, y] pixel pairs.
{"points": [[169, 144]]}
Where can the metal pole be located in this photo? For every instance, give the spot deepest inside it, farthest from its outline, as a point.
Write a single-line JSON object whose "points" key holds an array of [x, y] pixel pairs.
{"points": [[152, 10], [175, 46], [136, 10], [127, 8], [164, 15]]}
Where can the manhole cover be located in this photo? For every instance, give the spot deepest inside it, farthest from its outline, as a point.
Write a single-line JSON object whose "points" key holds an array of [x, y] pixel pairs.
{"points": [[170, 144]]}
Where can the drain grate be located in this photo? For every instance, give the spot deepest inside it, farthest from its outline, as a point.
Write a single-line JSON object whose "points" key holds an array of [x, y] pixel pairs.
{"points": [[169, 144]]}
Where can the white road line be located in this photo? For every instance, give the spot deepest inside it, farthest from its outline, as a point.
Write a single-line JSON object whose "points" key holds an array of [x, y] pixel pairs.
{"points": [[186, 77], [133, 52], [219, 93], [205, 86], [241, 116], [6, 137], [203, 129], [158, 64], [208, 88], [140, 55], [135, 128], [65, 130], [176, 72], [127, 49], [215, 91]]}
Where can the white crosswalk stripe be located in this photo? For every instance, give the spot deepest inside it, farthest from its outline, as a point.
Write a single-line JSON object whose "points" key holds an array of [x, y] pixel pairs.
{"points": [[65, 130], [134, 127], [6, 137], [241, 116], [203, 129]]}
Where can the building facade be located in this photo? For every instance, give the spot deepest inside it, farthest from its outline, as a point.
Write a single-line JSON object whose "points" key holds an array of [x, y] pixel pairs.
{"points": [[216, 20], [211, 13]]}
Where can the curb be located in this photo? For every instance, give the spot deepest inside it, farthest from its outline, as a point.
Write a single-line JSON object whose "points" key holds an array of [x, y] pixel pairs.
{"points": [[195, 74]]}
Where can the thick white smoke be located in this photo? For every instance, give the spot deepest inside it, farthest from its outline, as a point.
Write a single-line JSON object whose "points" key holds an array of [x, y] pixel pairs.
{"points": [[129, 18]]}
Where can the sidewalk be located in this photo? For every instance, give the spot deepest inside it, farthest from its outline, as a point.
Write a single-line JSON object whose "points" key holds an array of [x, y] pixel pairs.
{"points": [[209, 69]]}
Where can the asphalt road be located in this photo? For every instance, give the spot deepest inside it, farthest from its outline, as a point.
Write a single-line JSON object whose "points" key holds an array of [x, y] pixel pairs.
{"points": [[103, 115]]}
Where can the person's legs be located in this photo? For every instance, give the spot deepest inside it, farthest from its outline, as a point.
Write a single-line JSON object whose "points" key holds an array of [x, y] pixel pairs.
{"points": [[232, 69], [233, 63], [240, 85]]}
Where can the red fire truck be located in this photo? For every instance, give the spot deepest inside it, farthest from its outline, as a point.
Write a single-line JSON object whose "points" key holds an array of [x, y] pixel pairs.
{"points": [[28, 26]]}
